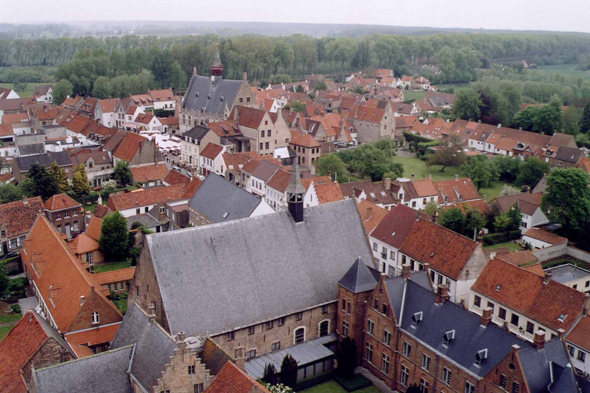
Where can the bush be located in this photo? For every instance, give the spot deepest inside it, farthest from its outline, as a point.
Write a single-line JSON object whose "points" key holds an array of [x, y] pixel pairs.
{"points": [[502, 237], [15, 308]]}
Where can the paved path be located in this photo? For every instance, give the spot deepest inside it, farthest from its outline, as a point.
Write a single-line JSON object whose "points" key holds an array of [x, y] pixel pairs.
{"points": [[8, 324], [28, 303]]}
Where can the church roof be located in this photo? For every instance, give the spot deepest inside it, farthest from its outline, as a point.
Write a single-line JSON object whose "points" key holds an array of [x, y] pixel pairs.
{"points": [[212, 97], [360, 278]]}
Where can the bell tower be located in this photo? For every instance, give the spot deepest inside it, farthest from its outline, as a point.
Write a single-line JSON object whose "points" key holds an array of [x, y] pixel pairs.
{"points": [[217, 67], [295, 193]]}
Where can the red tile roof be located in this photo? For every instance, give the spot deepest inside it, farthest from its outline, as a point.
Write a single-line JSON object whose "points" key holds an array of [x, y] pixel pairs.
{"points": [[372, 115], [305, 140], [527, 202], [580, 333], [129, 146], [191, 188], [445, 250], [6, 130], [81, 341], [371, 215], [60, 202], [161, 95], [396, 225], [94, 228], [115, 276], [248, 117], [456, 190], [174, 177], [231, 379], [15, 118], [145, 197], [225, 128], [480, 205], [424, 188], [328, 192], [211, 151], [148, 173], [526, 293], [45, 113], [545, 236], [280, 180], [101, 211], [518, 258], [84, 243], [108, 105], [18, 217]]}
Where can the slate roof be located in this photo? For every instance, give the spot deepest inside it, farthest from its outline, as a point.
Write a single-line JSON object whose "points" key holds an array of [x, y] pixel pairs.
{"points": [[102, 373], [203, 256], [203, 94], [30, 149], [196, 133], [396, 225], [360, 277], [153, 346], [18, 217], [220, 200], [46, 159], [146, 220]]}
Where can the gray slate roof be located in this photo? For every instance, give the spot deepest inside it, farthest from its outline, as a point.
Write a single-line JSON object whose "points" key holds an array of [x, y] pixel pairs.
{"points": [[146, 220], [210, 95], [265, 170], [568, 154], [46, 159], [197, 132], [31, 148], [359, 278], [105, 372], [220, 200], [255, 269], [566, 273], [153, 347]]}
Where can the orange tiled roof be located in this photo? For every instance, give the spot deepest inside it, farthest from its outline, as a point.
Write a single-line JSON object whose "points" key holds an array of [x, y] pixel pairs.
{"points": [[129, 146], [395, 227], [100, 211], [161, 95], [306, 181], [192, 188], [80, 341], [518, 258], [18, 217], [452, 189], [545, 236], [305, 140], [93, 230], [280, 180], [108, 105], [6, 130], [371, 215], [248, 117], [147, 173], [175, 177], [424, 188], [115, 276], [526, 293], [580, 334], [372, 115], [15, 118], [328, 192], [211, 151], [144, 197], [480, 205], [60, 202], [231, 379], [84, 243]]}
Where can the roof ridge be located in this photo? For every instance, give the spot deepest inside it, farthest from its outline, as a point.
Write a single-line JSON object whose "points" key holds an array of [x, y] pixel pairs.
{"points": [[84, 358]]}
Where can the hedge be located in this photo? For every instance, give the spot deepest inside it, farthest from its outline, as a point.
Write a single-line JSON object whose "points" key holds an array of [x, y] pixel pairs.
{"points": [[416, 138], [502, 237]]}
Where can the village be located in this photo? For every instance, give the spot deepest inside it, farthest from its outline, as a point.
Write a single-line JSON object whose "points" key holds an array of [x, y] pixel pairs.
{"points": [[238, 236]]}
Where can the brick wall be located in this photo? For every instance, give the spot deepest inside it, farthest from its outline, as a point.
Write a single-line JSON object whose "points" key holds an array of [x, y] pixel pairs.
{"points": [[49, 354], [355, 318], [94, 303]]}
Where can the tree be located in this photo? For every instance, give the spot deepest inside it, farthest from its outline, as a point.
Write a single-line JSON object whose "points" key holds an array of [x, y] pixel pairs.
{"points": [[114, 237], [509, 221], [4, 279], [289, 371], [44, 185], [346, 356], [474, 221], [320, 85], [567, 199], [333, 165], [571, 120], [297, 106], [450, 154], [123, 174], [453, 219], [482, 171], [60, 176], [10, 193], [509, 190], [80, 183], [178, 77], [526, 118], [467, 105], [61, 91], [507, 167], [585, 120], [549, 119], [531, 172], [102, 88], [270, 374], [161, 68]]}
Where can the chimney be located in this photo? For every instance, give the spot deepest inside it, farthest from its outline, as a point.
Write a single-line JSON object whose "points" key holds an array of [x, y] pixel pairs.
{"points": [[485, 198], [194, 70], [412, 177], [456, 177], [442, 294], [152, 312], [387, 183], [180, 340], [547, 278], [486, 316], [245, 77], [515, 348], [406, 272], [499, 125], [539, 339], [429, 176], [560, 332]]}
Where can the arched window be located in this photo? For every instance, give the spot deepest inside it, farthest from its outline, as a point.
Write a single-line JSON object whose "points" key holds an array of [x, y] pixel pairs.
{"points": [[299, 334], [95, 318], [324, 328]]}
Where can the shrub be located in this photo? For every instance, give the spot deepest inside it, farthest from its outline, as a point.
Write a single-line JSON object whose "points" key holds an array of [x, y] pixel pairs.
{"points": [[16, 308]]}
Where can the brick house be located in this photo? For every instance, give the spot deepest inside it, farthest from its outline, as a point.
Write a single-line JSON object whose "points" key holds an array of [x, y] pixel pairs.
{"points": [[306, 148], [265, 130], [65, 214], [69, 297], [406, 334], [16, 220], [86, 245], [118, 281]]}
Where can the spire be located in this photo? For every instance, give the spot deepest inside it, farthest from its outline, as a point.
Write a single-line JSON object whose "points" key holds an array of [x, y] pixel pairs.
{"points": [[217, 67], [295, 186], [295, 193]]}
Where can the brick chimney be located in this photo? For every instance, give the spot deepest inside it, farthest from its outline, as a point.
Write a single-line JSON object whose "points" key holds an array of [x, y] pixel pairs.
{"points": [[456, 177], [406, 272], [412, 177], [152, 312], [442, 294], [547, 278], [539, 339], [181, 336], [486, 316], [387, 183]]}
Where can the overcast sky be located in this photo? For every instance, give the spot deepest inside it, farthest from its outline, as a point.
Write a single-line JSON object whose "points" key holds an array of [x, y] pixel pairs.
{"points": [[563, 15]]}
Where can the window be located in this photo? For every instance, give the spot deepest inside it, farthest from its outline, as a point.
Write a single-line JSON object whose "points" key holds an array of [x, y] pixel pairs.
{"points": [[477, 301], [370, 326], [502, 381], [95, 318], [267, 146], [344, 329], [231, 336], [268, 325], [4, 235], [571, 350], [58, 216], [275, 346], [67, 213], [376, 305], [392, 255], [250, 354], [343, 304], [261, 146], [299, 335], [404, 375], [385, 364], [369, 352], [384, 308], [262, 134], [491, 305], [386, 337], [349, 307], [162, 209], [191, 370], [116, 286], [582, 356], [137, 212], [502, 313], [514, 319], [515, 387], [269, 133], [423, 385], [407, 351], [469, 387], [325, 309], [324, 328], [447, 374], [299, 315], [198, 388], [251, 330], [530, 327], [375, 246], [426, 362]]}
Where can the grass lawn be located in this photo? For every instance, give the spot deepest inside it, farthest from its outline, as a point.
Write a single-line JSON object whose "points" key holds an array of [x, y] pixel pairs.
{"points": [[111, 266], [28, 92], [513, 246], [5, 318], [413, 95], [567, 70], [4, 331], [418, 167], [121, 305], [333, 387], [90, 208]]}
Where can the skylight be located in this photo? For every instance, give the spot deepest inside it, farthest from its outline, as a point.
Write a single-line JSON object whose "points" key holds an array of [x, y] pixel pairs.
{"points": [[562, 318], [498, 287]]}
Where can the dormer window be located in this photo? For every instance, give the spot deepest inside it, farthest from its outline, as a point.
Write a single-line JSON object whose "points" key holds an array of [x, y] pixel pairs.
{"points": [[448, 337], [562, 318], [416, 319], [498, 287], [480, 356]]}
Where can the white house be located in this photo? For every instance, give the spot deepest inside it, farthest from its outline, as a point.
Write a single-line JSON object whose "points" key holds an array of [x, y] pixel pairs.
{"points": [[211, 160], [163, 99], [148, 124], [106, 112], [539, 238], [7, 94], [43, 93], [578, 344], [258, 174]]}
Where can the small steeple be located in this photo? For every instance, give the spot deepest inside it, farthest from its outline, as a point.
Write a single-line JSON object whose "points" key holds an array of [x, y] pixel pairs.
{"points": [[217, 67], [295, 193]]}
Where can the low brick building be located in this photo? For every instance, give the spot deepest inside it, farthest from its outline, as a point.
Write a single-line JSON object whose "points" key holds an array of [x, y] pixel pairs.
{"points": [[65, 214], [16, 220]]}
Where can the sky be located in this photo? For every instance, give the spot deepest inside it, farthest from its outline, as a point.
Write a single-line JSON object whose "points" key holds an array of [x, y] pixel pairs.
{"points": [[561, 15]]}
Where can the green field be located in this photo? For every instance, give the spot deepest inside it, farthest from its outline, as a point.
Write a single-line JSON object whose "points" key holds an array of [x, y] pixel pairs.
{"points": [[513, 246], [567, 70], [111, 266], [333, 387], [5, 318], [413, 95], [28, 92], [419, 169], [4, 331]]}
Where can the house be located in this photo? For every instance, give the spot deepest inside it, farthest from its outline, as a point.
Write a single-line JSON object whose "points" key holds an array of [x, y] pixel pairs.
{"points": [[566, 157], [8, 94], [69, 297], [421, 83], [539, 238], [449, 258], [31, 344], [307, 149], [192, 142], [380, 193], [265, 131], [415, 193], [578, 344], [148, 124], [525, 302], [16, 220], [43, 116], [212, 160], [210, 99], [133, 148], [257, 174], [86, 245], [231, 378], [106, 112], [150, 175], [98, 164], [530, 208], [298, 309], [117, 281], [320, 190], [163, 99], [20, 122], [405, 82], [389, 235], [456, 191], [371, 215], [571, 275], [411, 336], [218, 200], [373, 124], [65, 214], [143, 200]]}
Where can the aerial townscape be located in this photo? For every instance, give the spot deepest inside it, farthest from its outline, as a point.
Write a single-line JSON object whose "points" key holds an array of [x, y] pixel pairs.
{"points": [[242, 207]]}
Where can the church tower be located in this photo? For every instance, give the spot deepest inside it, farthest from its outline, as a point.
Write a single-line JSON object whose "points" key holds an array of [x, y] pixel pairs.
{"points": [[217, 67], [295, 193]]}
